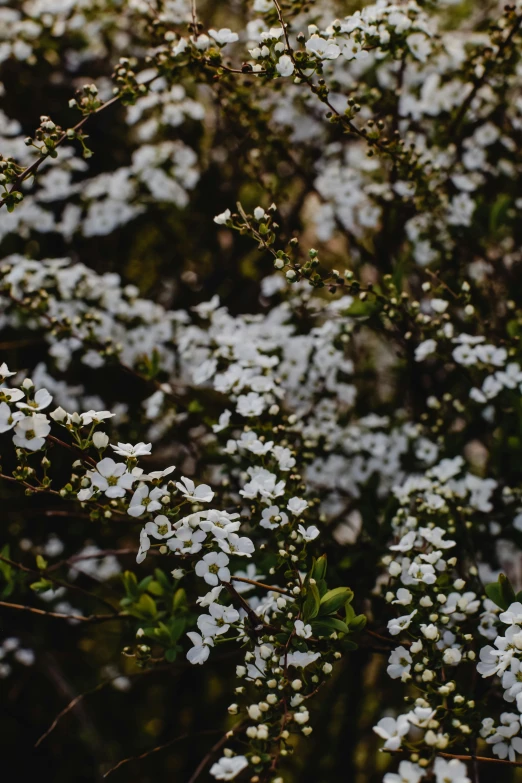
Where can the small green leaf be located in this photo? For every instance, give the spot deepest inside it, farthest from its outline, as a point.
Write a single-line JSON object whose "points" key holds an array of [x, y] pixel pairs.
{"points": [[130, 583], [501, 592], [171, 654], [327, 625], [41, 563], [319, 568], [334, 599], [145, 608], [41, 586], [358, 623], [179, 599], [312, 603], [155, 588]]}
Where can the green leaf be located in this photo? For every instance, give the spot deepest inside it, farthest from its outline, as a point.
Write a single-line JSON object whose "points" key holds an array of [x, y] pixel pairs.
{"points": [[41, 586], [130, 583], [358, 623], [162, 578], [327, 625], [179, 599], [312, 603], [501, 592], [333, 600], [176, 627], [144, 584], [156, 588], [171, 654], [41, 563], [145, 608], [319, 568], [5, 569]]}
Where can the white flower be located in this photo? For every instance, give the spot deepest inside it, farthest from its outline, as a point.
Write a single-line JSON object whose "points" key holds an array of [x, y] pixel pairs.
{"points": [[160, 528], [228, 768], [210, 597], [302, 717], [453, 771], [4, 372], [128, 450], [155, 475], [392, 731], [187, 540], [452, 656], [218, 621], [324, 50], [111, 478], [201, 649], [297, 506], [145, 500], [223, 36], [513, 615], [430, 631], [31, 432], [42, 399], [12, 395], [203, 493], [144, 546], [399, 624], [302, 630], [424, 349], [8, 418], [25, 657], [404, 597], [301, 659], [100, 440], [309, 533], [223, 217], [406, 543], [213, 567], [505, 743], [408, 773], [236, 545], [269, 516], [262, 483], [285, 66], [219, 523], [251, 404], [223, 422], [95, 416], [399, 664]]}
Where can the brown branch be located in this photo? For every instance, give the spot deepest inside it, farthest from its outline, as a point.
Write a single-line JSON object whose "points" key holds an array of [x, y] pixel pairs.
{"points": [[219, 744], [464, 757], [77, 699], [256, 622], [259, 584], [147, 753], [480, 82], [60, 582], [33, 168], [93, 618], [102, 553]]}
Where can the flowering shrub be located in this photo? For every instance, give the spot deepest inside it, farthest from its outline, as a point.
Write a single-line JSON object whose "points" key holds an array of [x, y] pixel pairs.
{"points": [[305, 460]]}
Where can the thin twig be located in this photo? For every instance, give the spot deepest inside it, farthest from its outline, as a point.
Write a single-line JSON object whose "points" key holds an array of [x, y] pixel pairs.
{"points": [[461, 757], [219, 744], [259, 584], [33, 168], [147, 753], [72, 704], [93, 618], [60, 582]]}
